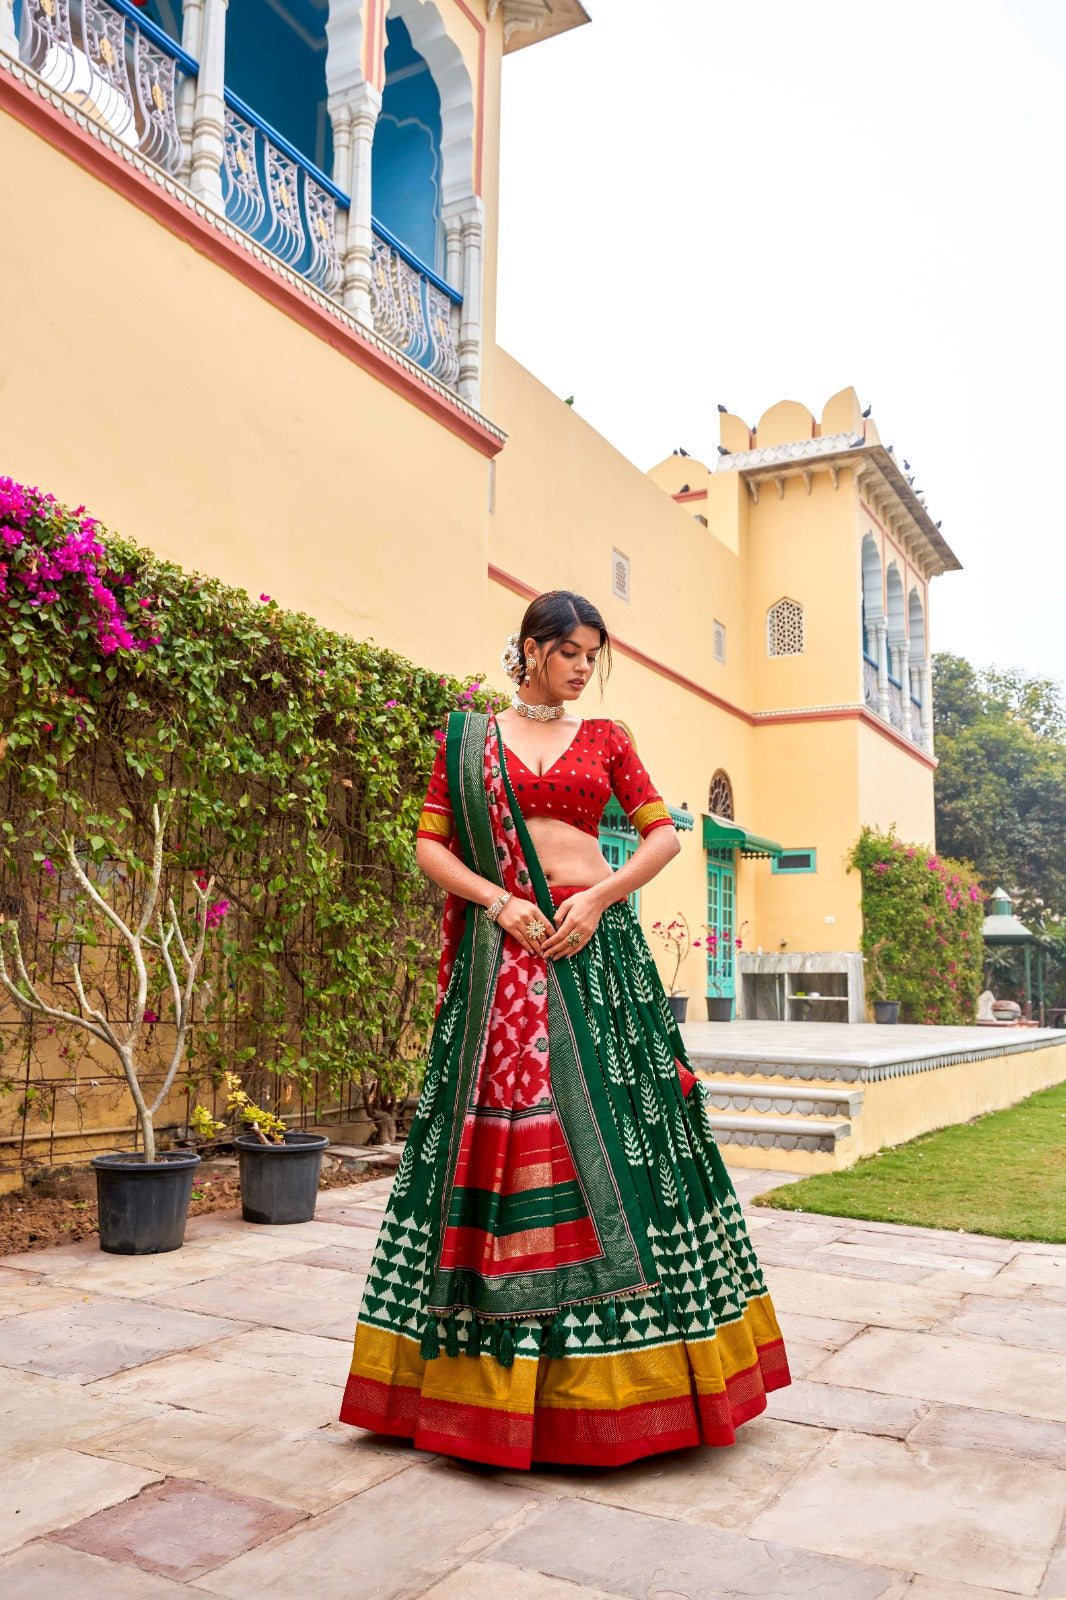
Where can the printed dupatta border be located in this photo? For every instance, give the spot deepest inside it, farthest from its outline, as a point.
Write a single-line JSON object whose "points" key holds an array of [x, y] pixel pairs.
{"points": [[625, 1264]]}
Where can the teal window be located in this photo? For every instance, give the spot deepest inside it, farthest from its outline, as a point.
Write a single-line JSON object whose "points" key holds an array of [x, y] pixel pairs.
{"points": [[617, 848], [795, 861]]}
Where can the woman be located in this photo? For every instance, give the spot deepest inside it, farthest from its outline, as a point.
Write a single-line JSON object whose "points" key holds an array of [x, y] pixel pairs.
{"points": [[563, 1273]]}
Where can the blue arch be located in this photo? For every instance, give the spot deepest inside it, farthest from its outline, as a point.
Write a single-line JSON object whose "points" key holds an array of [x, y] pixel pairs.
{"points": [[406, 174], [276, 64]]}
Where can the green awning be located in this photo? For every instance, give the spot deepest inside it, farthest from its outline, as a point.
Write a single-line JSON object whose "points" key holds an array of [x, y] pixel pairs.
{"points": [[615, 820], [719, 833]]}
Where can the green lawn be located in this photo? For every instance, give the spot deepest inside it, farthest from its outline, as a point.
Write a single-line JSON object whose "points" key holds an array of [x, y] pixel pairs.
{"points": [[1004, 1173]]}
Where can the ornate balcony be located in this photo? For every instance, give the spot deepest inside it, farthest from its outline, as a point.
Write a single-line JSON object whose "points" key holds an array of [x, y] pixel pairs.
{"points": [[135, 82]]}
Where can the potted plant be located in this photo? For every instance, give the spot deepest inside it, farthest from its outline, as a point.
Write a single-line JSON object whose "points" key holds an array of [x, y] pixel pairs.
{"points": [[885, 1010], [719, 1006], [143, 1196], [676, 939], [280, 1167]]}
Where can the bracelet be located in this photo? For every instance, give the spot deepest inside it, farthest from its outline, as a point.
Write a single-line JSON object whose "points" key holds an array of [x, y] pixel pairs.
{"points": [[493, 911]]}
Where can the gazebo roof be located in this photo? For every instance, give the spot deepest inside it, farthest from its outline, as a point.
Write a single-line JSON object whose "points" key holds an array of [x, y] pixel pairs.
{"points": [[1001, 926]]}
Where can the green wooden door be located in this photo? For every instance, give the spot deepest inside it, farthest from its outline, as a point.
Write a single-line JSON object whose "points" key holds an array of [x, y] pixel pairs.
{"points": [[722, 917]]}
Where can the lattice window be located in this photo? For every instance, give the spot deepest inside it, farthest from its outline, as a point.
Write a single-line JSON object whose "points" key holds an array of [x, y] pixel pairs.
{"points": [[619, 575], [720, 795], [719, 642], [784, 629]]}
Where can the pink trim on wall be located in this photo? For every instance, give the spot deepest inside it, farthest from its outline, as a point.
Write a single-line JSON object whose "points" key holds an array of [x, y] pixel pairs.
{"points": [[518, 586], [95, 158], [690, 494]]}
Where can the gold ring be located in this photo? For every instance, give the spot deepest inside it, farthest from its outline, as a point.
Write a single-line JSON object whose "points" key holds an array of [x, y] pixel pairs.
{"points": [[573, 938], [534, 930]]}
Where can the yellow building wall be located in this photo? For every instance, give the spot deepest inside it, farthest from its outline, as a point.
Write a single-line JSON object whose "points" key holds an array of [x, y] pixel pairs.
{"points": [[894, 788]]}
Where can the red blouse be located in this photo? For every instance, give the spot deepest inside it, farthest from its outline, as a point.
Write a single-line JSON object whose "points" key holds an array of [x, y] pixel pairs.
{"points": [[599, 761]]}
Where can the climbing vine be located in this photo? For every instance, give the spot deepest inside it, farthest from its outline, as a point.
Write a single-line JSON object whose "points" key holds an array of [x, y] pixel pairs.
{"points": [[922, 916], [297, 758]]}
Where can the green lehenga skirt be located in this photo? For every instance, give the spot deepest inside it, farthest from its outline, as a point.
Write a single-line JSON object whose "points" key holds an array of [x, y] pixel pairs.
{"points": [[495, 1181]]}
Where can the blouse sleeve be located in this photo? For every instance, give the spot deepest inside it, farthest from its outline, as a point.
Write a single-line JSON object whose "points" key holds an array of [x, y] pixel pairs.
{"points": [[639, 798], [436, 821]]}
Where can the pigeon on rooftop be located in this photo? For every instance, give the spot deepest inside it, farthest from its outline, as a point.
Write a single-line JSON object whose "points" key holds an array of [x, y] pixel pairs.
{"points": [[866, 413], [722, 451]]}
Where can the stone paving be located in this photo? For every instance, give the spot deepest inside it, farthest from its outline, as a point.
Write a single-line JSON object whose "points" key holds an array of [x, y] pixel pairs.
{"points": [[167, 1428]]}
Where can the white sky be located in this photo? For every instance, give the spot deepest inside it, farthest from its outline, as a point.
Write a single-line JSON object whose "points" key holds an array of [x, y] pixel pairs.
{"points": [[754, 200]]}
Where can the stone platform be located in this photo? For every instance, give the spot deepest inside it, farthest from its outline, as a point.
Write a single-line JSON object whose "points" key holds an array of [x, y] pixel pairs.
{"points": [[167, 1430], [815, 1096]]}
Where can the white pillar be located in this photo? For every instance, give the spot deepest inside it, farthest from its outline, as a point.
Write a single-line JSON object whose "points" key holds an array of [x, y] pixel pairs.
{"points": [[354, 114], [926, 691], [209, 112], [470, 216], [185, 110], [880, 630], [903, 673]]}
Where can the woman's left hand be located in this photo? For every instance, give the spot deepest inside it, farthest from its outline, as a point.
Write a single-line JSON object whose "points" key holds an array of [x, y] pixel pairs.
{"points": [[581, 915]]}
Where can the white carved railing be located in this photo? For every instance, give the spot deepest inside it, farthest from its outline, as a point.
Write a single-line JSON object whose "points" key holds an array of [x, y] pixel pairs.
{"points": [[869, 682], [110, 66], [412, 308], [895, 705], [272, 193]]}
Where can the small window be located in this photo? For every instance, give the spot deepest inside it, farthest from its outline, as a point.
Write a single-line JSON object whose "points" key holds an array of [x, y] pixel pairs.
{"points": [[619, 575], [784, 629], [795, 861], [719, 642]]}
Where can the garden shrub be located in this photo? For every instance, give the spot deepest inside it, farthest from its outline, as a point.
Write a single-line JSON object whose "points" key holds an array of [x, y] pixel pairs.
{"points": [[922, 916], [298, 758]]}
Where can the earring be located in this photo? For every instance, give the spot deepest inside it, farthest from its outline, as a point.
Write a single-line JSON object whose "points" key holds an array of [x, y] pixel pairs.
{"points": [[531, 662]]}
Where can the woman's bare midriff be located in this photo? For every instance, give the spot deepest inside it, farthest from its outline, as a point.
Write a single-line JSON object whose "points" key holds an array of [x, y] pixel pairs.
{"points": [[567, 855]]}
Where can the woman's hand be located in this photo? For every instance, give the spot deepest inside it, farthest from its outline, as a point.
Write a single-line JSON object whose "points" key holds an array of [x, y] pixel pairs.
{"points": [[581, 915], [517, 917]]}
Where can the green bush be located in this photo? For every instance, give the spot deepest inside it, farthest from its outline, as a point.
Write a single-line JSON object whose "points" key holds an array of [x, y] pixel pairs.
{"points": [[922, 916], [298, 758]]}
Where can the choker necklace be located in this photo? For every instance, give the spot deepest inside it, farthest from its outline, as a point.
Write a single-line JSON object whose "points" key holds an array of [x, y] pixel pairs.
{"points": [[537, 713]]}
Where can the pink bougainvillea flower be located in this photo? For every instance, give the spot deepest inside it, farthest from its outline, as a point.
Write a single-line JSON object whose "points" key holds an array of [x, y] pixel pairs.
{"points": [[149, 1016], [46, 866], [390, 703], [216, 912], [265, 598]]}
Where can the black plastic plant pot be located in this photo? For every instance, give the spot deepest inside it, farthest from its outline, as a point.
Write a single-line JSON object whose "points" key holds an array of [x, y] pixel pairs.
{"points": [[143, 1205], [886, 1010], [279, 1182], [719, 1008], [678, 1005]]}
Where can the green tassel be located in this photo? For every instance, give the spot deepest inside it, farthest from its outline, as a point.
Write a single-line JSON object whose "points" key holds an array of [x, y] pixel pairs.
{"points": [[609, 1323], [556, 1339], [451, 1336], [429, 1349], [494, 1341], [505, 1354], [473, 1336]]}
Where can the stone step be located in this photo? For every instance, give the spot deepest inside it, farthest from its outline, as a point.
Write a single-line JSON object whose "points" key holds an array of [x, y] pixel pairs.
{"points": [[778, 1133], [785, 1099], [828, 1071]]}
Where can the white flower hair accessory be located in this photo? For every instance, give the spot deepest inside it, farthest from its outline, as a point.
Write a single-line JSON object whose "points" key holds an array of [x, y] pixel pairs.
{"points": [[511, 660]]}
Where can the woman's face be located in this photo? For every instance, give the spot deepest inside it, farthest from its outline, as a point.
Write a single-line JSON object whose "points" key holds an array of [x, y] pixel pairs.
{"points": [[563, 674]]}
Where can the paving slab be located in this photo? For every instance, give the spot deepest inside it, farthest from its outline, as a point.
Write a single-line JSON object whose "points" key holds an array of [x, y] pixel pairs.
{"points": [[341, 1259], [44, 1571], [198, 1383], [39, 1414], [57, 1487], [896, 1305], [964, 1371], [826, 1405], [884, 1269], [722, 1488], [925, 1261], [1025, 1322], [946, 1514], [138, 1277], [291, 1355], [259, 1301], [395, 1539], [311, 1471], [34, 1296], [997, 1432], [152, 1531], [640, 1557], [1043, 1269], [830, 1332], [888, 1238], [934, 1589], [491, 1580], [93, 1336]]}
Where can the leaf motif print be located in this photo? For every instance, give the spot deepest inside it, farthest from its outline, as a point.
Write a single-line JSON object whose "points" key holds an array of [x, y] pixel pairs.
{"points": [[429, 1149], [631, 1141], [648, 1101], [664, 1056], [682, 1132], [403, 1174], [669, 1186]]}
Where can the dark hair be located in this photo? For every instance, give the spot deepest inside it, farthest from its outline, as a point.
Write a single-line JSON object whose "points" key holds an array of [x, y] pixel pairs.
{"points": [[552, 617]]}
